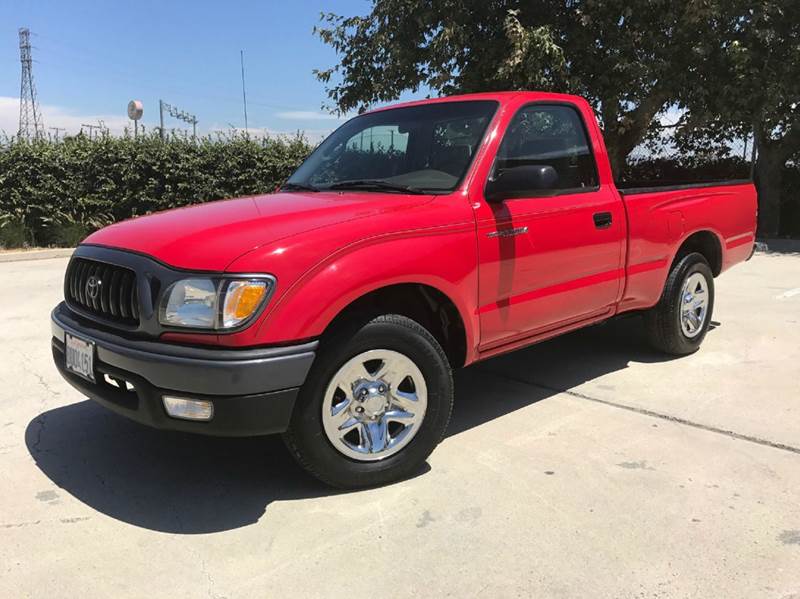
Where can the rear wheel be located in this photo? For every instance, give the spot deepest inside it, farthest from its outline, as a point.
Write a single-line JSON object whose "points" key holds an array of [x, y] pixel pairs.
{"points": [[376, 403], [678, 323]]}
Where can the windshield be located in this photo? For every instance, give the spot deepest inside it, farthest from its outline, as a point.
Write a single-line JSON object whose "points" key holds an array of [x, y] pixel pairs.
{"points": [[418, 149]]}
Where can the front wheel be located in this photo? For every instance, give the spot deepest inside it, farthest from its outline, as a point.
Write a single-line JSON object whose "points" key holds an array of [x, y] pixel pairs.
{"points": [[376, 403], [678, 323]]}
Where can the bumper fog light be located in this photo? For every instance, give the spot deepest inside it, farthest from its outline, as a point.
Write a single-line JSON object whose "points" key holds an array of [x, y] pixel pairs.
{"points": [[188, 409]]}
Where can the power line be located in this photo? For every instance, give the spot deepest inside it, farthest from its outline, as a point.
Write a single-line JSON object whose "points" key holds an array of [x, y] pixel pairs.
{"points": [[71, 55], [30, 118]]}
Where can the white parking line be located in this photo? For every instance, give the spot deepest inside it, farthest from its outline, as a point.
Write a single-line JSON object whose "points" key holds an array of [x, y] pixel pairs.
{"points": [[788, 294]]}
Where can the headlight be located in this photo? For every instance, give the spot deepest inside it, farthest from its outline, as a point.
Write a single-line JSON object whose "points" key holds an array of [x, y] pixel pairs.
{"points": [[214, 303]]}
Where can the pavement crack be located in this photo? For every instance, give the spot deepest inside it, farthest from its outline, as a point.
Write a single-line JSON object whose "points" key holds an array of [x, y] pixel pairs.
{"points": [[20, 524], [26, 361], [40, 420], [653, 414]]}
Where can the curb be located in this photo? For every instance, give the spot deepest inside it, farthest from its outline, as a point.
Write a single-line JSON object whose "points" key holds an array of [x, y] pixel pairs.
{"points": [[36, 255], [779, 246]]}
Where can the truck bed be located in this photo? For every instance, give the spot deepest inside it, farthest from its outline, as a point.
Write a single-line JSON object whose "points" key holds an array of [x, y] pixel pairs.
{"points": [[660, 219]]}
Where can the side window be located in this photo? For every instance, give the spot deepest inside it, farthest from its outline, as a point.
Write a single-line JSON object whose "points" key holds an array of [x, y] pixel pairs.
{"points": [[553, 136]]}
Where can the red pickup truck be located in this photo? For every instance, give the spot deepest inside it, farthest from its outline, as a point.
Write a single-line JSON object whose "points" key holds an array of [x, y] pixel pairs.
{"points": [[414, 240]]}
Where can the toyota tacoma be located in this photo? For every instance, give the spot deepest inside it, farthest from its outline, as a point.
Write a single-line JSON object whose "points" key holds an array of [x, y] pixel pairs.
{"points": [[414, 240]]}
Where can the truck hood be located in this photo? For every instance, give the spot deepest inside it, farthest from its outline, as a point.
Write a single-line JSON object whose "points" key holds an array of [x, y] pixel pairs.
{"points": [[212, 235]]}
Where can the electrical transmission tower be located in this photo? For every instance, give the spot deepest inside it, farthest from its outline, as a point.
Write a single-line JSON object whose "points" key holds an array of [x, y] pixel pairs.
{"points": [[30, 118]]}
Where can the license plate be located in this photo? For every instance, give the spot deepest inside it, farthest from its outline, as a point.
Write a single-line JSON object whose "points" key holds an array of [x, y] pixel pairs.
{"points": [[80, 356]]}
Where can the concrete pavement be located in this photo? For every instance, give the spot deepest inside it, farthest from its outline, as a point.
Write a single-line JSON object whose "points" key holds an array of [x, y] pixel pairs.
{"points": [[587, 466]]}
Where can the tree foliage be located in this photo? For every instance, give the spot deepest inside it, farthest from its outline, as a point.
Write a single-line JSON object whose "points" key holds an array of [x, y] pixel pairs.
{"points": [[730, 65], [629, 60], [750, 82]]}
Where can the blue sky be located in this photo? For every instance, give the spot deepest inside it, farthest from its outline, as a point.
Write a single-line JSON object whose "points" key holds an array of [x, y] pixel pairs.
{"points": [[93, 57]]}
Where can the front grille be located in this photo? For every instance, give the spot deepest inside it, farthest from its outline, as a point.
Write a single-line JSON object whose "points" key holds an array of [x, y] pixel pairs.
{"points": [[106, 290]]}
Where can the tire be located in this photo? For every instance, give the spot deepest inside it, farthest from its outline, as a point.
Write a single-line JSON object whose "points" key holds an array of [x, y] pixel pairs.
{"points": [[366, 359], [666, 329]]}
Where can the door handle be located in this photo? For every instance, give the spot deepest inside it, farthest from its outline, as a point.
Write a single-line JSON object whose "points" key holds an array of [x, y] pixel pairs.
{"points": [[602, 220]]}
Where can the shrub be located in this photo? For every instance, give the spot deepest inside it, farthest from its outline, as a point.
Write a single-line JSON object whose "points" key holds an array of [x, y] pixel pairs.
{"points": [[12, 233], [55, 193]]}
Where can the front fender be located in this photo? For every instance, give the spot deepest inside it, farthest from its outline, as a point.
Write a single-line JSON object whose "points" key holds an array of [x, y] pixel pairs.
{"points": [[319, 276], [443, 259]]}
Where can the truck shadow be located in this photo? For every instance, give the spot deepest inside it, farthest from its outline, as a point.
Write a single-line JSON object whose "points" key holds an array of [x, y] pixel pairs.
{"points": [[166, 481], [532, 374], [189, 484]]}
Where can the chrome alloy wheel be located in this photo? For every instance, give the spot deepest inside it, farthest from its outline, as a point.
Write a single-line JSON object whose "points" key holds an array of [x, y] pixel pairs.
{"points": [[374, 405], [694, 304]]}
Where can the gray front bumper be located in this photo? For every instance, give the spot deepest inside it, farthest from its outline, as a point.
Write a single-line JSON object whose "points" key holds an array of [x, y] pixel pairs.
{"points": [[206, 371], [252, 391]]}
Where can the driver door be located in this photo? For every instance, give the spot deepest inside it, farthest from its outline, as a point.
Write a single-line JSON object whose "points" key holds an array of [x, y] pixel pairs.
{"points": [[550, 257]]}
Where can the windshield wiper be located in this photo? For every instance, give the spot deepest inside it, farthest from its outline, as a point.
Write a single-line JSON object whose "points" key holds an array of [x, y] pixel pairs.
{"points": [[376, 184], [298, 187]]}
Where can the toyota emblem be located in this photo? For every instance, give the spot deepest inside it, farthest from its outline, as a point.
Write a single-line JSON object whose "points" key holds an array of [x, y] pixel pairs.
{"points": [[93, 287]]}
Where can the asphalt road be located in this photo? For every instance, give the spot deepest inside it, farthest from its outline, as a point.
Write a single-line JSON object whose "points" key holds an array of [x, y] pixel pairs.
{"points": [[587, 466]]}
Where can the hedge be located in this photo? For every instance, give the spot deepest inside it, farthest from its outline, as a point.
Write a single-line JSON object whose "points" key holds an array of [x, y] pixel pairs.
{"points": [[654, 172], [55, 193]]}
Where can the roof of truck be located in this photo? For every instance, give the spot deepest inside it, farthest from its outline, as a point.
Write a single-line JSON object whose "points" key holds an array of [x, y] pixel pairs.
{"points": [[497, 96]]}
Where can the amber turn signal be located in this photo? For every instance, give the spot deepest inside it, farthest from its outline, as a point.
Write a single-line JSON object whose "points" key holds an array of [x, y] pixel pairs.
{"points": [[242, 299]]}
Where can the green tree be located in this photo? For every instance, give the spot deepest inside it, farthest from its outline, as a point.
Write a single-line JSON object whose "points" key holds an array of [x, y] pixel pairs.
{"points": [[629, 60], [750, 82]]}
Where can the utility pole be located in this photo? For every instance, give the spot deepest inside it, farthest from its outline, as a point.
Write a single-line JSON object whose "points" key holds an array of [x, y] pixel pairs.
{"points": [[175, 112], [161, 118], [100, 127], [57, 129], [244, 94], [30, 118], [90, 128]]}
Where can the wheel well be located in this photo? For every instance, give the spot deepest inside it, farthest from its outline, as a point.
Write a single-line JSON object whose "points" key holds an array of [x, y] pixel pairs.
{"points": [[424, 304], [705, 243]]}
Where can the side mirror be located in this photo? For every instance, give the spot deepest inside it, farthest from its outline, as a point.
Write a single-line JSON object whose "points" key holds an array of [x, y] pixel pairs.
{"points": [[521, 181]]}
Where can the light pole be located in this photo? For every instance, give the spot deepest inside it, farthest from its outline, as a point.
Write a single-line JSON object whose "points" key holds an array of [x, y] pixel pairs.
{"points": [[135, 112]]}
